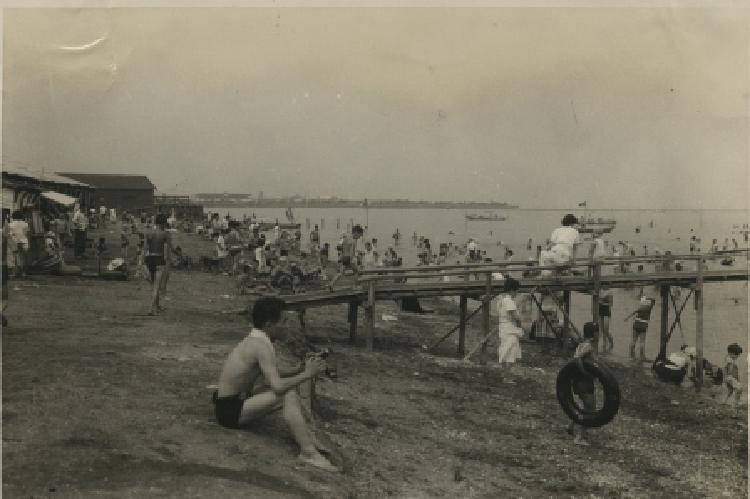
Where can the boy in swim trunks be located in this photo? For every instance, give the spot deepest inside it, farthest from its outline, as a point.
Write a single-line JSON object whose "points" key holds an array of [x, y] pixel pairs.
{"points": [[583, 382], [732, 375], [640, 325], [251, 384]]}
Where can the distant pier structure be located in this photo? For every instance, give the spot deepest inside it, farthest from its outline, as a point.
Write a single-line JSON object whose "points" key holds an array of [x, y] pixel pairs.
{"points": [[184, 208]]}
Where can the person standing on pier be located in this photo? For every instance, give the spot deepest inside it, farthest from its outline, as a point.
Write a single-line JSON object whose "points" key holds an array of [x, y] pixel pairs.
{"points": [[640, 325]]}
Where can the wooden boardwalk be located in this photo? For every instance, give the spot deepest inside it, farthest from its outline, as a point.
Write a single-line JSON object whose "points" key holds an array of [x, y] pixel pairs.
{"points": [[481, 282], [582, 284]]}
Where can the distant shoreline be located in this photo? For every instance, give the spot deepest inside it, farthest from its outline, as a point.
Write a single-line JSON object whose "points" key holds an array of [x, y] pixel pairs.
{"points": [[441, 206], [359, 204]]}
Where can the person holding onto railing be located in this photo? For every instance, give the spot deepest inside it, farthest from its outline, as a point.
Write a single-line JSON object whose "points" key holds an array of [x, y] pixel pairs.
{"points": [[562, 245]]}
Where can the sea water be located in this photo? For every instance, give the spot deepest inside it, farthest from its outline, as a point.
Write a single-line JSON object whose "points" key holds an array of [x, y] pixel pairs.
{"points": [[725, 304]]}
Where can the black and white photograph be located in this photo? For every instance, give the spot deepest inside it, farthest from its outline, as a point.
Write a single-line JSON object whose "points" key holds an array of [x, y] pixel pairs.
{"points": [[340, 249]]}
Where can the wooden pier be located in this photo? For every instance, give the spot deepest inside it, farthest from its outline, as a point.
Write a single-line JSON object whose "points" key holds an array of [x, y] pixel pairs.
{"points": [[588, 276]]}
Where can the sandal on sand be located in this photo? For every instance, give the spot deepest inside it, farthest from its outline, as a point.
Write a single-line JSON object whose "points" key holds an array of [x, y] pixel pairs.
{"points": [[319, 462]]}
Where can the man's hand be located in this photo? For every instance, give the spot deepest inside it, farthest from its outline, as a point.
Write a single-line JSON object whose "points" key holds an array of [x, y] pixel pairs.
{"points": [[314, 365]]}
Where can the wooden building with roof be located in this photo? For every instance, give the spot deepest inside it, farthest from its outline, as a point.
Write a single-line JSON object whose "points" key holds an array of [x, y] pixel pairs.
{"points": [[122, 192]]}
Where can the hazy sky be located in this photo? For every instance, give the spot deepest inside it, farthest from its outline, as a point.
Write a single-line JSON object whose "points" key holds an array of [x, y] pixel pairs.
{"points": [[542, 107]]}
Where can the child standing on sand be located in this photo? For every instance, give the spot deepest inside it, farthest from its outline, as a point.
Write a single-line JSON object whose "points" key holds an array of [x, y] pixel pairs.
{"points": [[640, 325], [583, 382], [509, 329], [732, 374]]}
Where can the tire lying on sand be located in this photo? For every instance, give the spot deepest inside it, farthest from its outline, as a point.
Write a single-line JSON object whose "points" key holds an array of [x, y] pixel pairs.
{"points": [[574, 408]]}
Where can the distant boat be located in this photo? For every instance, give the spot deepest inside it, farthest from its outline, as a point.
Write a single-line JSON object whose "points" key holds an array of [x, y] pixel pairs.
{"points": [[264, 225], [490, 217], [588, 225]]}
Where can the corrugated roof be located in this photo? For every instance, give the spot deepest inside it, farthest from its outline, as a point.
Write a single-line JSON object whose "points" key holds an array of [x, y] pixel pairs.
{"points": [[112, 181], [23, 171]]}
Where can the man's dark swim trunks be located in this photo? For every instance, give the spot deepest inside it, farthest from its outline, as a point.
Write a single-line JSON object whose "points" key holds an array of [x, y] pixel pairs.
{"points": [[228, 409], [153, 262]]}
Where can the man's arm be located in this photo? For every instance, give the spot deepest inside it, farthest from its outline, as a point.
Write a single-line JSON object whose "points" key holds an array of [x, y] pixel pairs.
{"points": [[292, 371], [168, 250], [279, 385]]}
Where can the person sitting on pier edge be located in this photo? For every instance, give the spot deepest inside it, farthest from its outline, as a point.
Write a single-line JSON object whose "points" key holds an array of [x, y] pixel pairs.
{"points": [[562, 245], [251, 385], [640, 325]]}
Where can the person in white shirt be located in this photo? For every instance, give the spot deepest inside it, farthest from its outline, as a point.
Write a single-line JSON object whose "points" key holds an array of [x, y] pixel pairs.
{"points": [[260, 257], [221, 248], [18, 230], [80, 223], [368, 260], [103, 216], [562, 245], [509, 330], [472, 248]]}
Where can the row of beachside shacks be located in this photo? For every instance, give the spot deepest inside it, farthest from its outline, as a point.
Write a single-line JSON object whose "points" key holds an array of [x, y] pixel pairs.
{"points": [[25, 189]]}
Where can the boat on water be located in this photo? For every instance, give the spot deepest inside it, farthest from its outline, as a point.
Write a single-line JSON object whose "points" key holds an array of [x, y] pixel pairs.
{"points": [[283, 226], [264, 225], [490, 217], [590, 225]]}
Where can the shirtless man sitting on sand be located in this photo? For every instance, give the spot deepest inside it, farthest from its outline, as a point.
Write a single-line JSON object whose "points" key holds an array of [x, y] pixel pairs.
{"points": [[252, 386]]}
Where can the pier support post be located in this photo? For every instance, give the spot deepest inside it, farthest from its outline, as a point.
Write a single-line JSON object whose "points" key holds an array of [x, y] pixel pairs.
{"points": [[664, 330], [353, 307], [462, 325], [486, 310], [566, 322], [370, 315], [698, 296], [596, 271]]}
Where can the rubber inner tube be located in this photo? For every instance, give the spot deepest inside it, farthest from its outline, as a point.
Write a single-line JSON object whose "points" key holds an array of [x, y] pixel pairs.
{"points": [[570, 402]]}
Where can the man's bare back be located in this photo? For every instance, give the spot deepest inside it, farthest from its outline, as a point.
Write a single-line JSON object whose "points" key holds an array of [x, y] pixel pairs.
{"points": [[155, 241], [241, 372]]}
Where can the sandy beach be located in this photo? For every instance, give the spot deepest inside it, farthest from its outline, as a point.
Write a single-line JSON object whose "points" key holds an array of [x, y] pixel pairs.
{"points": [[99, 399]]}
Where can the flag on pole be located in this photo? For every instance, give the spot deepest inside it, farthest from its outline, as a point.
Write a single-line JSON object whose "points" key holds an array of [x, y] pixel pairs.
{"points": [[582, 204]]}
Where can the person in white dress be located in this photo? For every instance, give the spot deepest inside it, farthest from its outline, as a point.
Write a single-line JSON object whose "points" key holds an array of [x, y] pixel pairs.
{"points": [[563, 242], [509, 329]]}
